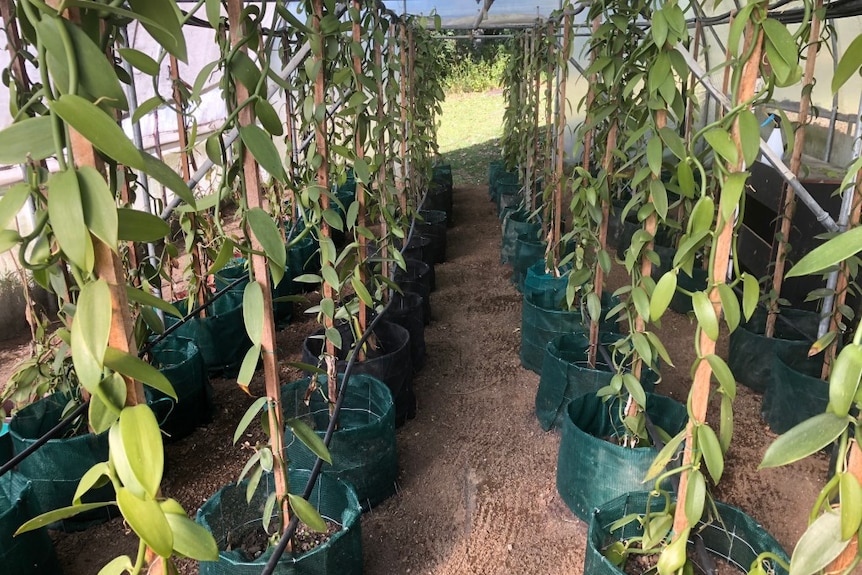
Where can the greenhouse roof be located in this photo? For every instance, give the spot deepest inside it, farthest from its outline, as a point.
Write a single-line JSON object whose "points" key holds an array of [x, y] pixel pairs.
{"points": [[466, 13]]}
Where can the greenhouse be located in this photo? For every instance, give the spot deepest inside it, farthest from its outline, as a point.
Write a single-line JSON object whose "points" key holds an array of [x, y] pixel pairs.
{"points": [[430, 287]]}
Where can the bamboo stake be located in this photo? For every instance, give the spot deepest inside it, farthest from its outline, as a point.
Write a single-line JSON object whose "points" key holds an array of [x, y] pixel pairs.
{"points": [[528, 100], [795, 164], [401, 182], [382, 147], [550, 157], [561, 143], [255, 199], [700, 389], [537, 79]]}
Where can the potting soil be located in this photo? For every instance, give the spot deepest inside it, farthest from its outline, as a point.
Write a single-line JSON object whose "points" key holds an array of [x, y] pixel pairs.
{"points": [[228, 516], [363, 447]]}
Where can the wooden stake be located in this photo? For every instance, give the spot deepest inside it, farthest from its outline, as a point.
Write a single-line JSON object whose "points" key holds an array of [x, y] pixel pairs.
{"points": [[700, 389], [848, 556], [359, 148], [401, 182], [783, 234], [255, 199], [382, 147], [559, 177], [549, 163]]}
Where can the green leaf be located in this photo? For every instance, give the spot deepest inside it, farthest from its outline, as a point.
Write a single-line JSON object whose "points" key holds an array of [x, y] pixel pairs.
{"points": [[243, 68], [701, 217], [851, 505], [137, 226], [112, 392], [147, 519], [664, 456], [27, 139], [685, 178], [834, 251], [268, 117], [662, 295], [140, 60], [750, 295], [266, 232], [705, 314], [100, 209], [848, 65], [142, 297], [725, 431], [213, 10], [731, 191], [720, 141], [844, 379], [309, 438], [8, 240], [749, 135], [91, 329], [808, 437], [96, 476], [102, 416], [362, 171], [212, 147], [169, 32], [659, 28], [695, 496], [729, 305], [659, 347], [674, 143], [260, 144], [333, 219], [252, 312], [135, 368], [117, 566], [334, 336], [722, 374], [249, 364], [137, 440], [654, 152], [361, 291], [146, 107], [190, 539], [712, 452], [635, 389], [307, 514], [248, 417], [225, 253], [66, 211], [12, 202], [330, 276], [819, 545], [58, 515]]}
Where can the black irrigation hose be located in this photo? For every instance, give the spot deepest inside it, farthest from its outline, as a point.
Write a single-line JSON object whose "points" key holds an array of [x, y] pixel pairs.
{"points": [[51, 434]]}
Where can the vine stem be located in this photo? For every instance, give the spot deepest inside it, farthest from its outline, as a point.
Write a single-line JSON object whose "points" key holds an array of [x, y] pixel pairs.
{"points": [[360, 187], [847, 557], [255, 199], [720, 256]]}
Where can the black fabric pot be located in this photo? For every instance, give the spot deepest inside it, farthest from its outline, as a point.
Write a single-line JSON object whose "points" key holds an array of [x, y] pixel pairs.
{"points": [[5, 444], [362, 447], [55, 469], [237, 269], [591, 470], [229, 517], [181, 362], [30, 553], [417, 278], [528, 251], [750, 353], [795, 391], [433, 226], [390, 363], [439, 198], [732, 536], [502, 177], [567, 375], [407, 311], [220, 335]]}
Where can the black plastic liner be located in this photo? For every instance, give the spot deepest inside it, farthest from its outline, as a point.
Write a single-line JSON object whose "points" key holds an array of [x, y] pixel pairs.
{"points": [[407, 311], [528, 251], [750, 353], [391, 363], [433, 226], [55, 469], [362, 447], [30, 553], [180, 360], [567, 375], [230, 518], [794, 393], [220, 335], [5, 444], [592, 470], [732, 536], [515, 224]]}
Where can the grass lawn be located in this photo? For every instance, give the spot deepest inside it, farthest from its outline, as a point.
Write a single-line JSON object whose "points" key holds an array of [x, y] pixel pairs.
{"points": [[469, 134]]}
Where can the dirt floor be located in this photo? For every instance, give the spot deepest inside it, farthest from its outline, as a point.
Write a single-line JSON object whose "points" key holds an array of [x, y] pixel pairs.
{"points": [[476, 491]]}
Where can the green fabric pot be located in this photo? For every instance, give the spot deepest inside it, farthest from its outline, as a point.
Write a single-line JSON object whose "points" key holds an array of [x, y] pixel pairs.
{"points": [[795, 391], [546, 290], [228, 516], [362, 448], [55, 469], [732, 536], [750, 353], [528, 251], [515, 224], [567, 375], [30, 553], [591, 470]]}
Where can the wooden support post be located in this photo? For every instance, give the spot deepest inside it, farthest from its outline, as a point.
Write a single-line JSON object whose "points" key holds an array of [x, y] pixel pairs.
{"points": [[559, 176], [108, 265], [527, 125], [846, 558], [382, 146], [701, 387], [779, 242], [255, 199], [359, 148], [404, 77], [549, 162]]}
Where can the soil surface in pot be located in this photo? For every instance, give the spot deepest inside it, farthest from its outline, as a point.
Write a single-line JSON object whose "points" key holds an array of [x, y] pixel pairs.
{"points": [[476, 490], [646, 564], [255, 542]]}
